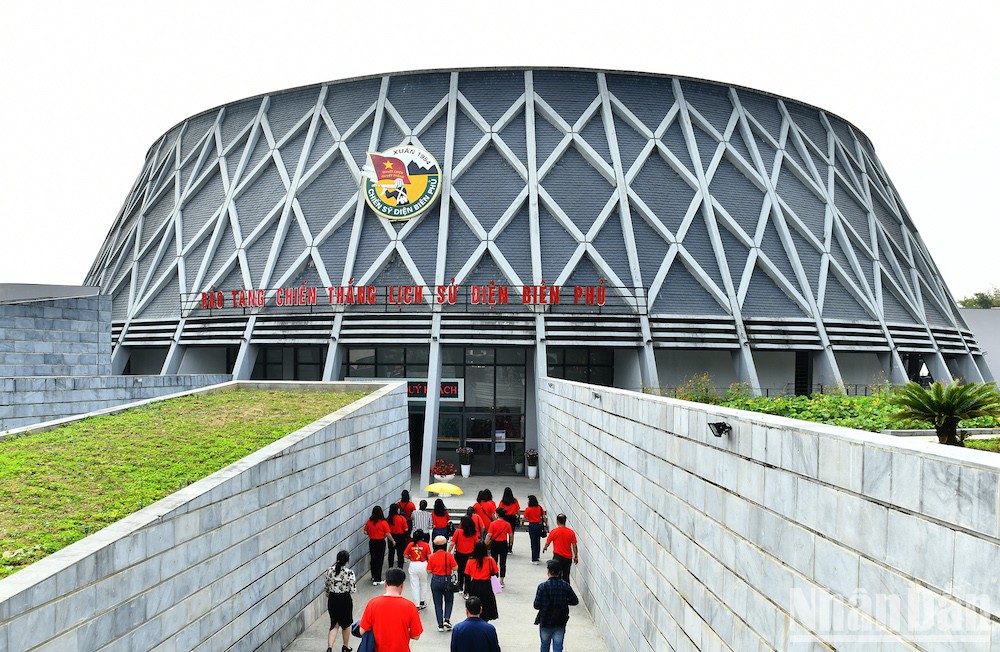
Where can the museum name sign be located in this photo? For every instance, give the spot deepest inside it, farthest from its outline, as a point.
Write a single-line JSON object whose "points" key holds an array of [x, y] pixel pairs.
{"points": [[403, 295]]}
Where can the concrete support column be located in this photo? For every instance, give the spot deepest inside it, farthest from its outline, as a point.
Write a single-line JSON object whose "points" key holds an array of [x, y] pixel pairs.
{"points": [[965, 368], [826, 370], [937, 367], [334, 361], [893, 367], [647, 366], [746, 369], [175, 354], [119, 358], [433, 408], [984, 368]]}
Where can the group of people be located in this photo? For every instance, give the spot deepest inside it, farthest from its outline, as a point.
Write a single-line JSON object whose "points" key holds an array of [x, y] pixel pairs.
{"points": [[470, 558]]}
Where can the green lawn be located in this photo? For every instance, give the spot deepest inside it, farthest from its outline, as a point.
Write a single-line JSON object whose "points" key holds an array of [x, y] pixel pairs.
{"points": [[992, 445], [59, 486]]}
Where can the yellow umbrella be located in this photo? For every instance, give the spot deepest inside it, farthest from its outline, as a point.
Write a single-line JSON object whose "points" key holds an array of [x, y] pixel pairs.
{"points": [[444, 488]]}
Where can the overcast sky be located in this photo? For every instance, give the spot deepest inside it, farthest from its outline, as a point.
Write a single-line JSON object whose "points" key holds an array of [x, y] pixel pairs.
{"points": [[87, 87]]}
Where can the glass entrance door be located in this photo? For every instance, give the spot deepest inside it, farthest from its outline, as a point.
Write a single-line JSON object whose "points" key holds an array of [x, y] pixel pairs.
{"points": [[479, 437]]}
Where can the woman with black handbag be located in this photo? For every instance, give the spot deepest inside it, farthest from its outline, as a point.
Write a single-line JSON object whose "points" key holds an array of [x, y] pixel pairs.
{"points": [[442, 568], [534, 517]]}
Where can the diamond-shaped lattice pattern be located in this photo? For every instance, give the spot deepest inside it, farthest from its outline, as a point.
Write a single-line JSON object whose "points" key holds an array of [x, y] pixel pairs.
{"points": [[677, 200]]}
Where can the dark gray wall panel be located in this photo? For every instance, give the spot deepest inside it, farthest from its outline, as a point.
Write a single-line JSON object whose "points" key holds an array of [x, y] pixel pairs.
{"points": [[681, 294], [492, 94], [675, 142], [711, 101], [738, 195], [515, 136], [579, 189], [765, 110], [413, 96], [650, 246], [359, 143], [765, 299], [286, 109], [489, 187], [648, 98], [237, 117], [630, 142], [596, 137], [557, 246], [547, 137], [610, 243], [513, 242], [663, 191], [348, 101], [421, 244], [569, 93], [197, 128], [327, 195]]}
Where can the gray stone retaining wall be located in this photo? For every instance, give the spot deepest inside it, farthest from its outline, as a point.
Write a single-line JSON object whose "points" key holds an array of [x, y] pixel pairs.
{"points": [[234, 560], [782, 535], [56, 337], [27, 401]]}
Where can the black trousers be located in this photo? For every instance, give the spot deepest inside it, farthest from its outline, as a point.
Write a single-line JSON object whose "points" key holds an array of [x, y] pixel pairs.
{"points": [[376, 551], [565, 563]]}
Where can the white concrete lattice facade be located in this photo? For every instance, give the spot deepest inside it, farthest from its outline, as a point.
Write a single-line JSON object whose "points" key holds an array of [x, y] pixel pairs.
{"points": [[724, 219]]}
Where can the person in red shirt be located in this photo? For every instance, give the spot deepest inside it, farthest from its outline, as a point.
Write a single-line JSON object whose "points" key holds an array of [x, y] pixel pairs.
{"points": [[563, 542], [397, 528], [406, 506], [534, 516], [418, 553], [440, 566], [480, 568], [462, 544], [392, 619], [477, 518], [511, 508], [377, 530], [498, 537], [440, 519], [485, 506]]}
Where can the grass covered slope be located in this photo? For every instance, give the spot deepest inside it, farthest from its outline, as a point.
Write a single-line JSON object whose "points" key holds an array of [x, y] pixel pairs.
{"points": [[59, 486]]}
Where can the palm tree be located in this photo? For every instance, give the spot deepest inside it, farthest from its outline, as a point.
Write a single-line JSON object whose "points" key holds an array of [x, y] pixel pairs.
{"points": [[946, 405]]}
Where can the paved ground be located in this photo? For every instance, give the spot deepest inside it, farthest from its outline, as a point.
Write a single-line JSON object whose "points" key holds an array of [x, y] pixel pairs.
{"points": [[515, 626]]}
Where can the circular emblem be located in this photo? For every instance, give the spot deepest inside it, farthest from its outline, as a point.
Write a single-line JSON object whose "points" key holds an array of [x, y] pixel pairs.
{"points": [[402, 182]]}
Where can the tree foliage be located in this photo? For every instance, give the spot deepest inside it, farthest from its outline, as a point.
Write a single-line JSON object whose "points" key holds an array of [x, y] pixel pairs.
{"points": [[989, 299], [945, 406]]}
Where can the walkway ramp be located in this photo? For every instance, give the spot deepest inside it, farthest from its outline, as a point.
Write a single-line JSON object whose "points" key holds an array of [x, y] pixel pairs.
{"points": [[515, 626]]}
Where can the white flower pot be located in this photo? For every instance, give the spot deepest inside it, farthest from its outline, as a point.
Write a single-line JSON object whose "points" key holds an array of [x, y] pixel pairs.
{"points": [[444, 478], [532, 472], [466, 470]]}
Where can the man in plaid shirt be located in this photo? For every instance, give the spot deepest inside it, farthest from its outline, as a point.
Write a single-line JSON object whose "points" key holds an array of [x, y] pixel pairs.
{"points": [[553, 599]]}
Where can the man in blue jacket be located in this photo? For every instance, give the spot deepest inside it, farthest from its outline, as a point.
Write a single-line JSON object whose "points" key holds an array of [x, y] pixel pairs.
{"points": [[474, 634]]}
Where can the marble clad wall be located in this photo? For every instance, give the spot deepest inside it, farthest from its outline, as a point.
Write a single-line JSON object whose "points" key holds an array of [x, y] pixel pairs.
{"points": [[232, 561], [780, 536], [31, 400], [56, 337]]}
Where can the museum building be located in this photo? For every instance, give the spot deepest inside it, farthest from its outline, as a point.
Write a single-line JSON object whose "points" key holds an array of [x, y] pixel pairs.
{"points": [[473, 231]]}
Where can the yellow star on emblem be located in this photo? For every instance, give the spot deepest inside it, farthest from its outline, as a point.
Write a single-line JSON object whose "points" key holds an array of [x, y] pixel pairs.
{"points": [[388, 165]]}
